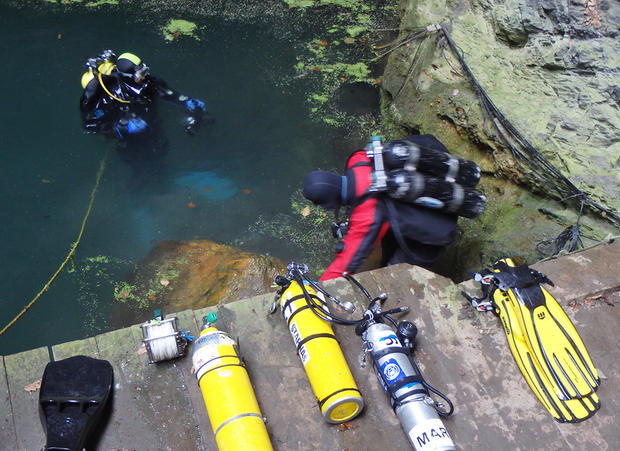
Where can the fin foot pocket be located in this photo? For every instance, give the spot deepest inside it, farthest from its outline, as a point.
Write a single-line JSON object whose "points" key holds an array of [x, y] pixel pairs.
{"points": [[73, 395]]}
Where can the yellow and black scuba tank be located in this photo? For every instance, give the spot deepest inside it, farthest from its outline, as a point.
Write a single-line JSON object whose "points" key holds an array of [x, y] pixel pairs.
{"points": [[304, 311], [542, 339], [102, 64], [232, 407]]}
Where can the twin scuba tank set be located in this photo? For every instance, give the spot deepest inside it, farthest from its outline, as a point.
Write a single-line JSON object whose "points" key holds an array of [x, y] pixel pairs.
{"points": [[304, 308], [426, 177]]}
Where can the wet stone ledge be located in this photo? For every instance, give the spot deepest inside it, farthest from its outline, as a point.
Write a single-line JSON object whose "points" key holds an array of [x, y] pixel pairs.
{"points": [[461, 352]]}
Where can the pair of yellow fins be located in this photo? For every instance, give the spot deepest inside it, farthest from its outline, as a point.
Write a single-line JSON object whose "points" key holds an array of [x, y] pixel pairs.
{"points": [[542, 339]]}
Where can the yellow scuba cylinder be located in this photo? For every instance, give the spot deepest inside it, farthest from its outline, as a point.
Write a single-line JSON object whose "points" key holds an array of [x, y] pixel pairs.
{"points": [[330, 377], [104, 68], [233, 411]]}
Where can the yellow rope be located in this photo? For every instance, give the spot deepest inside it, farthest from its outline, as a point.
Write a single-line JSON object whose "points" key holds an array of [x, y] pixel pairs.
{"points": [[73, 248]]}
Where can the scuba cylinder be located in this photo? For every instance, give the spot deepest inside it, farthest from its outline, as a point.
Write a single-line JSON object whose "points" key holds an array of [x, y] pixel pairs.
{"points": [[435, 193], [412, 157], [400, 376], [426, 177], [304, 312], [233, 411], [403, 382]]}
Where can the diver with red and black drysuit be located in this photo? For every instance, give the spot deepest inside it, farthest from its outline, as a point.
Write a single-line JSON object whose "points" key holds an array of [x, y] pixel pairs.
{"points": [[412, 217]]}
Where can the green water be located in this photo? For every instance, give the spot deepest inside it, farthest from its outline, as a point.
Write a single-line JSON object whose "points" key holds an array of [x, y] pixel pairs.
{"points": [[256, 153]]}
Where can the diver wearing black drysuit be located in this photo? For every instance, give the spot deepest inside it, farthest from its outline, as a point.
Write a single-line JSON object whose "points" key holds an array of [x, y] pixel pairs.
{"points": [[119, 98]]}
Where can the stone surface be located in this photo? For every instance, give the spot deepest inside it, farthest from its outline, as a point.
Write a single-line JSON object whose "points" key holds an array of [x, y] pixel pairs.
{"points": [[551, 67], [179, 275], [460, 352]]}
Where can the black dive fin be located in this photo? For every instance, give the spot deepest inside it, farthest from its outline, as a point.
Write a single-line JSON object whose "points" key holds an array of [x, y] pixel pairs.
{"points": [[73, 395]]}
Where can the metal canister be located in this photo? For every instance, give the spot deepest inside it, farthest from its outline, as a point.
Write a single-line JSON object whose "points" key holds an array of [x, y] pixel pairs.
{"points": [[402, 381], [233, 411]]}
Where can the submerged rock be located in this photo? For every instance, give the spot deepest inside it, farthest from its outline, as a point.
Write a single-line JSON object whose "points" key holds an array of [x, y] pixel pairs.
{"points": [[181, 275]]}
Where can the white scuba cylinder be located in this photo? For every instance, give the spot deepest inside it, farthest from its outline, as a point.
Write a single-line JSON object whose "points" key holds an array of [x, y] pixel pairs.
{"points": [[402, 381]]}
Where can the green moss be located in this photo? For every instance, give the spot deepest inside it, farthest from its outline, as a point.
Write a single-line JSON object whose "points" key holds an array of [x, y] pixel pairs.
{"points": [[356, 30], [305, 227], [102, 2], [357, 71], [175, 28], [318, 98]]}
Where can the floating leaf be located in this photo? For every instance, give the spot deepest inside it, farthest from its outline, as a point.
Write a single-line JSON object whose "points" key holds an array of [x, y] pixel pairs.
{"points": [[305, 211], [33, 387], [191, 205]]}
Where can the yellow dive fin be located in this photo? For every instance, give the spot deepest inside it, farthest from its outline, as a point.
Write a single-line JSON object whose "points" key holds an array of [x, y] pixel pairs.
{"points": [[543, 341]]}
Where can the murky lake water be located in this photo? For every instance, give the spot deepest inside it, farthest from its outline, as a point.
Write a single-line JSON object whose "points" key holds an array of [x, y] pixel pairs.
{"points": [[252, 159]]}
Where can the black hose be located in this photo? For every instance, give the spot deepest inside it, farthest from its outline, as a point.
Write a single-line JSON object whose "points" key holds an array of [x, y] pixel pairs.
{"points": [[539, 168]]}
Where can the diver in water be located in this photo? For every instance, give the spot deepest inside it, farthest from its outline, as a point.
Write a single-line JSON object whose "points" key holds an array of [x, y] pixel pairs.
{"points": [[119, 101], [119, 98]]}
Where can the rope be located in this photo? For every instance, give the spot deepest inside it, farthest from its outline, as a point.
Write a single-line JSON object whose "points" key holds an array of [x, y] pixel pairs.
{"points": [[532, 162], [71, 252]]}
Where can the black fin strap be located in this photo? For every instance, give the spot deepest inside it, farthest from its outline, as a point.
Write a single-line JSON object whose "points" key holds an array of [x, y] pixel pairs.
{"points": [[322, 401]]}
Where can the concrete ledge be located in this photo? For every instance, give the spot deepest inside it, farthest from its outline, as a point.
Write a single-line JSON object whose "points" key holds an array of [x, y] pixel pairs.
{"points": [[461, 352]]}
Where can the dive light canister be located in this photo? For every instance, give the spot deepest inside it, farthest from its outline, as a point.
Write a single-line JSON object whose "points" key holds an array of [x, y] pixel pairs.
{"points": [[330, 377], [402, 381], [233, 411]]}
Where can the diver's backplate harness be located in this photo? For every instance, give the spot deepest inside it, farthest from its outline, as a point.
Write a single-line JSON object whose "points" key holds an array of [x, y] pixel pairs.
{"points": [[408, 172]]}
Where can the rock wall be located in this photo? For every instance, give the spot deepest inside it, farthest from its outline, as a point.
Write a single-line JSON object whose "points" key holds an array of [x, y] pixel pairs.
{"points": [[550, 66]]}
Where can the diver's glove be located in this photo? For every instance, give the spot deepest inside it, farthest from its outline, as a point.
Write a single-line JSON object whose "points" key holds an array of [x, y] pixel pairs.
{"points": [[194, 104], [196, 109], [132, 126], [136, 125]]}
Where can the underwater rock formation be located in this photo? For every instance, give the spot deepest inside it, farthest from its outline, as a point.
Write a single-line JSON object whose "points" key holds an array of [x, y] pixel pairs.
{"points": [[181, 275]]}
